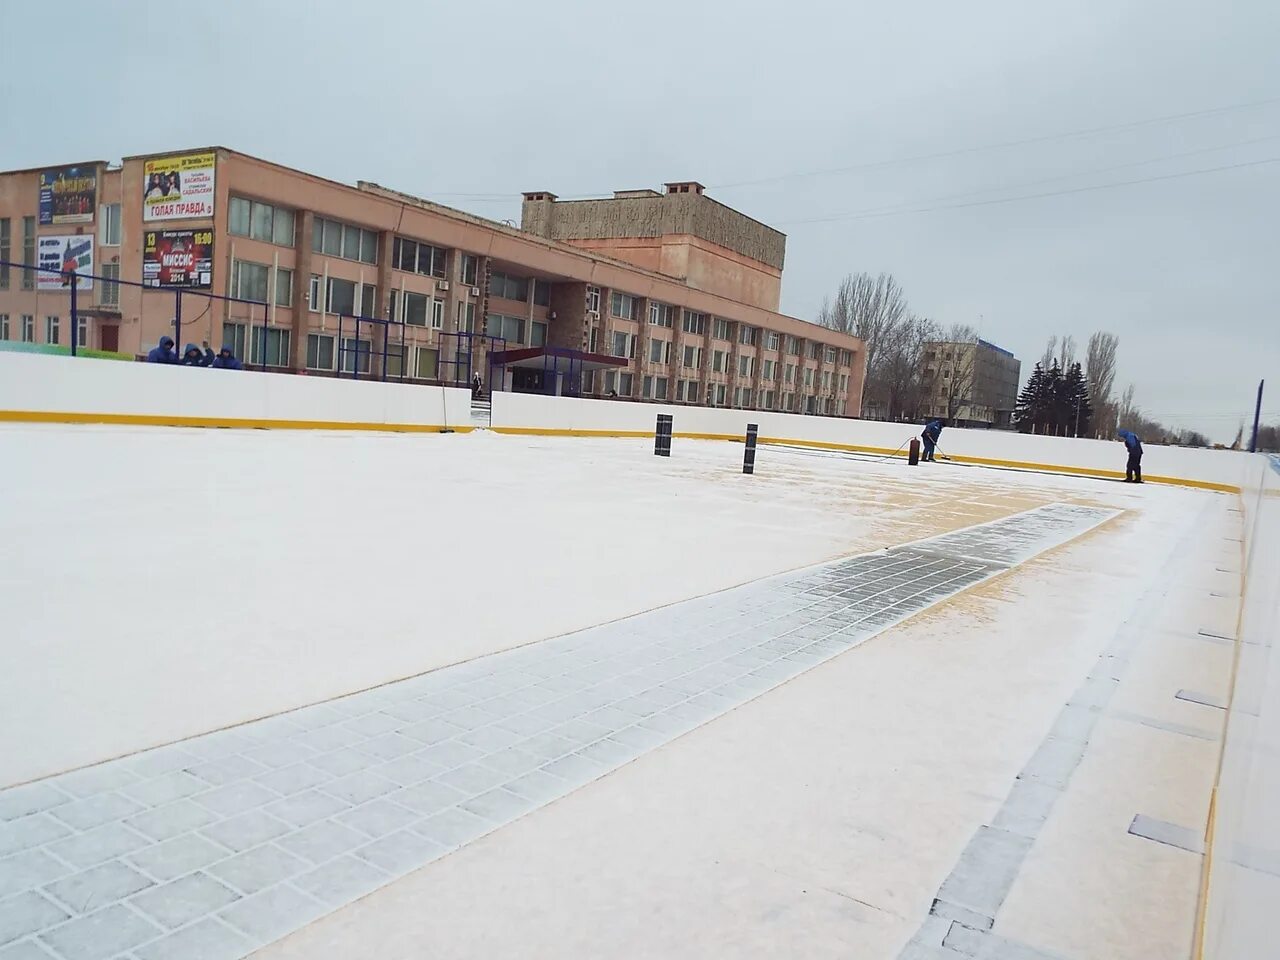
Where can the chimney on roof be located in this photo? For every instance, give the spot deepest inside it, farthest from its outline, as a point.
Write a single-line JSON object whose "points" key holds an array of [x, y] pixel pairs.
{"points": [[684, 186], [537, 212]]}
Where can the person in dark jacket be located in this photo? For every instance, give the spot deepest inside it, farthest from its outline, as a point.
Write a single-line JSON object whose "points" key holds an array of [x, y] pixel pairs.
{"points": [[226, 360], [1133, 469], [163, 353], [193, 356], [932, 431]]}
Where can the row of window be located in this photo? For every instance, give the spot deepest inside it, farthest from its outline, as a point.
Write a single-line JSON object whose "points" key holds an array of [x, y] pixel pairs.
{"points": [[24, 329], [717, 394]]}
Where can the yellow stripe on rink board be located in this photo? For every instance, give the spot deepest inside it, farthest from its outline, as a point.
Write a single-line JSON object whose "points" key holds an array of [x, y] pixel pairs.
{"points": [[240, 423], [165, 420]]}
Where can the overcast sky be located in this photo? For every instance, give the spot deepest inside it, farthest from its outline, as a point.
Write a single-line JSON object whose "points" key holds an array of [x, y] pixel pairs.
{"points": [[472, 103]]}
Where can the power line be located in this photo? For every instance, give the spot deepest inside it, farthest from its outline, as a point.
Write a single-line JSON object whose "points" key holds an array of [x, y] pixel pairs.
{"points": [[1048, 138], [982, 148], [1037, 196], [907, 207]]}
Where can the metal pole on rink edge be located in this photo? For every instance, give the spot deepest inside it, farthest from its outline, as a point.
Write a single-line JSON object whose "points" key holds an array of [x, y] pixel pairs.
{"points": [[749, 455]]}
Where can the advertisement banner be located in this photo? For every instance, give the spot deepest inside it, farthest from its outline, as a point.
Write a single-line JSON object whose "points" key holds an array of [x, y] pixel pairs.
{"points": [[68, 195], [177, 258], [178, 188], [61, 254]]}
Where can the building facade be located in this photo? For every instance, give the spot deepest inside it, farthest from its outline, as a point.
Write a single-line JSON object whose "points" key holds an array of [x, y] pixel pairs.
{"points": [[973, 384], [682, 289]]}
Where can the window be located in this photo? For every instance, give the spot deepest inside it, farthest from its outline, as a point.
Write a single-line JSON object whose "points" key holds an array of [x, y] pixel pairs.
{"points": [[831, 354], [260, 221], [4, 326], [768, 400], [109, 291], [593, 299], [746, 397], [5, 240], [623, 344], [746, 334], [721, 393], [437, 314], [720, 329], [771, 340], [646, 389], [660, 388], [542, 293], [537, 334], [415, 308], [844, 383], [623, 305], [413, 257], [766, 370], [625, 382], [846, 357], [595, 336], [694, 322], [744, 366], [426, 363], [82, 331], [691, 391], [791, 373], [466, 317], [815, 351], [109, 226], [793, 347], [659, 351], [510, 329], [277, 347], [319, 351], [28, 252], [808, 377], [341, 296], [249, 280], [470, 269], [946, 374], [661, 314], [284, 287], [588, 381], [508, 287], [737, 396], [717, 361], [692, 357], [233, 336], [826, 379], [356, 355], [343, 240], [313, 294]]}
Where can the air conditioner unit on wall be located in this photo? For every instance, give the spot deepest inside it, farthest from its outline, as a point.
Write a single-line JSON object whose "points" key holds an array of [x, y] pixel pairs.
{"points": [[593, 316], [475, 291], [442, 284]]}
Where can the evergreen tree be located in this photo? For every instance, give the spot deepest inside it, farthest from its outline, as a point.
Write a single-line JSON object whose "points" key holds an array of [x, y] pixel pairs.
{"points": [[1078, 411], [1055, 405], [1030, 409]]}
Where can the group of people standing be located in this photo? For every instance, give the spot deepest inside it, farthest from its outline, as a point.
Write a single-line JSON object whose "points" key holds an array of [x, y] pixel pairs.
{"points": [[193, 356]]}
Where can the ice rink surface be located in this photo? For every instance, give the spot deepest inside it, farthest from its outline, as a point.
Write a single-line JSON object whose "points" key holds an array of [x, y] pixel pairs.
{"points": [[159, 584]]}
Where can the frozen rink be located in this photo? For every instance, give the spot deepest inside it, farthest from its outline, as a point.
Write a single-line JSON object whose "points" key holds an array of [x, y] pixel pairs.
{"points": [[160, 584]]}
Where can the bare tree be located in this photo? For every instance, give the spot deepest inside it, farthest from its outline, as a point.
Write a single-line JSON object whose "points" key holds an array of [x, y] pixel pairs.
{"points": [[1050, 354], [1127, 413], [1067, 352], [874, 309], [1100, 369]]}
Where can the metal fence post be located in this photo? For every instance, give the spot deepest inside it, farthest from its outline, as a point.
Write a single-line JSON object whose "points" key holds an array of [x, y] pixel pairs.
{"points": [[749, 455], [75, 320]]}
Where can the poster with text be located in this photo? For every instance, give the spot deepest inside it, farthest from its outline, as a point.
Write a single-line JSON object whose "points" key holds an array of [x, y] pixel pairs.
{"points": [[178, 258], [68, 195], [178, 188], [55, 256]]}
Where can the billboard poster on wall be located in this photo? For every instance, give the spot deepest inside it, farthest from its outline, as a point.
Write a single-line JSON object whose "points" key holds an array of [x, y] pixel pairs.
{"points": [[178, 258], [178, 188], [68, 195], [64, 254]]}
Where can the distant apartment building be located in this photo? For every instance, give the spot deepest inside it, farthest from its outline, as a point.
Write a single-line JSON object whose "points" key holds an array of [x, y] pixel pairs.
{"points": [[666, 296], [973, 384]]}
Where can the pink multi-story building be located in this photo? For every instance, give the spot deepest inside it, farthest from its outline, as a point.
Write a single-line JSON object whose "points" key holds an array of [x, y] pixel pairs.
{"points": [[654, 296]]}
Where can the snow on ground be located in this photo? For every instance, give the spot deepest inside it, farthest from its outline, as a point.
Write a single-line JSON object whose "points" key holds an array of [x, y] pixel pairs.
{"points": [[158, 583]]}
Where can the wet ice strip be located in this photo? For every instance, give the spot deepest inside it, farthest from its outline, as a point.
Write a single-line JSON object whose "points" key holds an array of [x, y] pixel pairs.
{"points": [[220, 844]]}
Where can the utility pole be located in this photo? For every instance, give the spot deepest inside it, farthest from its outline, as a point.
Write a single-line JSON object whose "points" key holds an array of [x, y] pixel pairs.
{"points": [[1257, 415]]}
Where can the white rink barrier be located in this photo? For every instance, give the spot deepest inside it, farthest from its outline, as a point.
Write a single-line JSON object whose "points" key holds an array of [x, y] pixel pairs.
{"points": [[1242, 843], [37, 388], [566, 416]]}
